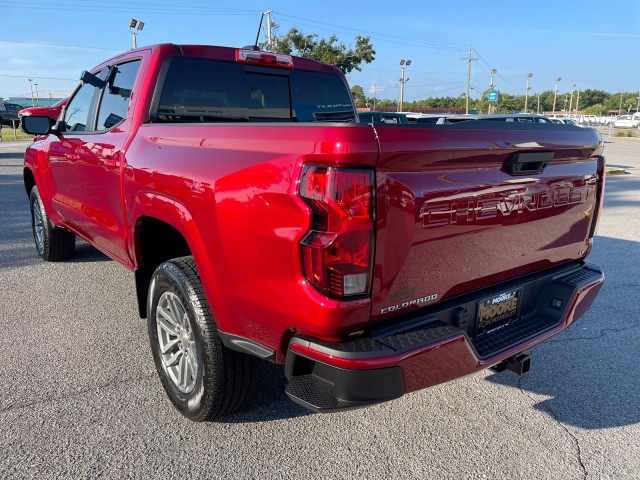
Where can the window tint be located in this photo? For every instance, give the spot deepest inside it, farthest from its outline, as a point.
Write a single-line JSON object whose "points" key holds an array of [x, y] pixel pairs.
{"points": [[320, 97], [77, 115], [117, 95], [197, 90]]}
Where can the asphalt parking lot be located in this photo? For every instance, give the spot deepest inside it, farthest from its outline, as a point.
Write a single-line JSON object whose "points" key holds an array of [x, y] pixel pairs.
{"points": [[80, 396]]}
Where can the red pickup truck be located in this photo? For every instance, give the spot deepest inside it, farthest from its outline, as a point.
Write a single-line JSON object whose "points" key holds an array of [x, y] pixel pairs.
{"points": [[262, 220]]}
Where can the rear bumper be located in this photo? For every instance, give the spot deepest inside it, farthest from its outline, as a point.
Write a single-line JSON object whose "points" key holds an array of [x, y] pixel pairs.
{"points": [[425, 348]]}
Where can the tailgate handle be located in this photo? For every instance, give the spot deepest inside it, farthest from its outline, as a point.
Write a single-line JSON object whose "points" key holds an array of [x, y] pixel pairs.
{"points": [[526, 163]]}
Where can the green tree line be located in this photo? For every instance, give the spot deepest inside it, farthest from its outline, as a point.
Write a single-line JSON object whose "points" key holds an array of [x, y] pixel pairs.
{"points": [[587, 102], [349, 58]]}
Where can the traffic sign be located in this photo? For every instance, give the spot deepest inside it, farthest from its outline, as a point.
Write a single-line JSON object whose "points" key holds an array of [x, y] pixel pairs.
{"points": [[493, 96]]}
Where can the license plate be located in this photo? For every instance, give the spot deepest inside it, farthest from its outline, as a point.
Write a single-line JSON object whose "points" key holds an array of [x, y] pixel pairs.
{"points": [[498, 310]]}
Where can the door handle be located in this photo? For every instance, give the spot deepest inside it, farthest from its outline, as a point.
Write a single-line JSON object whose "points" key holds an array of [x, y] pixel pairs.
{"points": [[109, 163]]}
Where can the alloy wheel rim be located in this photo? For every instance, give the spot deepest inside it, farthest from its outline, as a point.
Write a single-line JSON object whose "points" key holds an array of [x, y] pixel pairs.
{"points": [[38, 227], [177, 342]]}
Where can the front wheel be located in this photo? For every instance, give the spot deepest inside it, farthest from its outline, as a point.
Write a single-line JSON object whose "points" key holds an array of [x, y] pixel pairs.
{"points": [[53, 244], [203, 379]]}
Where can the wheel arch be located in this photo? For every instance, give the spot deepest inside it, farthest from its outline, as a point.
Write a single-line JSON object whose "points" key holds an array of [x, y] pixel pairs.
{"points": [[29, 180], [155, 241]]}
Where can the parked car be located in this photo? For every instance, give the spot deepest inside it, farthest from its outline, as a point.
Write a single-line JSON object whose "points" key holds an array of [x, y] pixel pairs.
{"points": [[627, 121], [52, 111], [566, 121], [383, 117], [9, 114]]}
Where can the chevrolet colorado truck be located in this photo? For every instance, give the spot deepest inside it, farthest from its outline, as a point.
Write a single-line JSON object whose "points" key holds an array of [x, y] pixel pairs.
{"points": [[263, 221]]}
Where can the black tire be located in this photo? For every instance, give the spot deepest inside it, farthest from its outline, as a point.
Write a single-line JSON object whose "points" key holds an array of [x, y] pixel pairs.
{"points": [[52, 243], [222, 380]]}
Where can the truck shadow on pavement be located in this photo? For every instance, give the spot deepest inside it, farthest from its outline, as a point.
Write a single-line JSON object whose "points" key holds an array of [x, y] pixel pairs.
{"points": [[588, 375], [270, 401], [16, 239]]}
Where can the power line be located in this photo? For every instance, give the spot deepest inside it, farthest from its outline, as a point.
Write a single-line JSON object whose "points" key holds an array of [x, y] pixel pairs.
{"points": [[388, 37], [82, 47], [39, 78], [150, 9]]}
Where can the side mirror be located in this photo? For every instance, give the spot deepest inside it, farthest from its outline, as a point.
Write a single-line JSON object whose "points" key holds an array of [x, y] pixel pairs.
{"points": [[91, 79], [37, 125]]}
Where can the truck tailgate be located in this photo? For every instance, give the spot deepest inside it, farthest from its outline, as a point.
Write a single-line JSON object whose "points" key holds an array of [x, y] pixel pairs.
{"points": [[454, 214]]}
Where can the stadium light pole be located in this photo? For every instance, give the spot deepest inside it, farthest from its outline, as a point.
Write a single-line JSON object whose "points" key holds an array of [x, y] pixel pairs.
{"points": [[403, 65], [135, 26], [555, 95], [37, 96], [526, 92]]}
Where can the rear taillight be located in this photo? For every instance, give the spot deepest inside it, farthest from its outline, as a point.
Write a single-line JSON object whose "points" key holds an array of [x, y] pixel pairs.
{"points": [[337, 252]]}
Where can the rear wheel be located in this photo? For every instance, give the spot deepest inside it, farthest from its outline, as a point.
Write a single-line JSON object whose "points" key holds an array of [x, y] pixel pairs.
{"points": [[203, 379], [53, 244]]}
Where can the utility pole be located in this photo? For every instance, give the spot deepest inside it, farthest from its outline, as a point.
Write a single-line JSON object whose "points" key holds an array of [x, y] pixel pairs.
{"points": [[491, 86], [577, 102], [538, 95], [375, 91], [37, 96], [555, 95], [269, 40], [526, 92], [469, 59], [620, 109], [269, 45], [403, 65]]}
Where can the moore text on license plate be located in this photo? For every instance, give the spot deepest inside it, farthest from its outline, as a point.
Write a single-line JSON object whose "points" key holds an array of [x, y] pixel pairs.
{"points": [[498, 310]]}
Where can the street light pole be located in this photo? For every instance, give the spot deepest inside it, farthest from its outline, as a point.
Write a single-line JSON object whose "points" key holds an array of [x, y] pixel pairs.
{"points": [[403, 65], [555, 95], [31, 86], [37, 96], [571, 99], [526, 92], [538, 95]]}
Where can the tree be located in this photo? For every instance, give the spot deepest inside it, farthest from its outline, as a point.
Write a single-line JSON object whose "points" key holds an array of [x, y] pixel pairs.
{"points": [[597, 109], [358, 95], [327, 50]]}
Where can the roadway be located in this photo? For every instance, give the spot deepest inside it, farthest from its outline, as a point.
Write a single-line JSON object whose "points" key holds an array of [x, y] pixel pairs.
{"points": [[81, 398]]}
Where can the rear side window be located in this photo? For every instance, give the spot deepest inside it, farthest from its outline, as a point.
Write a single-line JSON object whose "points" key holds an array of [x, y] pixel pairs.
{"points": [[199, 90]]}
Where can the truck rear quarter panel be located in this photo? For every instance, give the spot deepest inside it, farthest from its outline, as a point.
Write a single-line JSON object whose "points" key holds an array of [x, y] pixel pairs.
{"points": [[232, 192]]}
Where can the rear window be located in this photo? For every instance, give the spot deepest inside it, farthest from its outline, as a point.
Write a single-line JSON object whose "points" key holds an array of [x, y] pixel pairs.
{"points": [[199, 90]]}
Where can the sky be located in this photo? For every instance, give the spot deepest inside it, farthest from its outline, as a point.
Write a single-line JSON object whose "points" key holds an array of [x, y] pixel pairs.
{"points": [[592, 44]]}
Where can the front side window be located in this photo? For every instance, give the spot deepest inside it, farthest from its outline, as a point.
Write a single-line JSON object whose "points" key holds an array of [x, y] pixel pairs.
{"points": [[117, 95], [76, 118]]}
